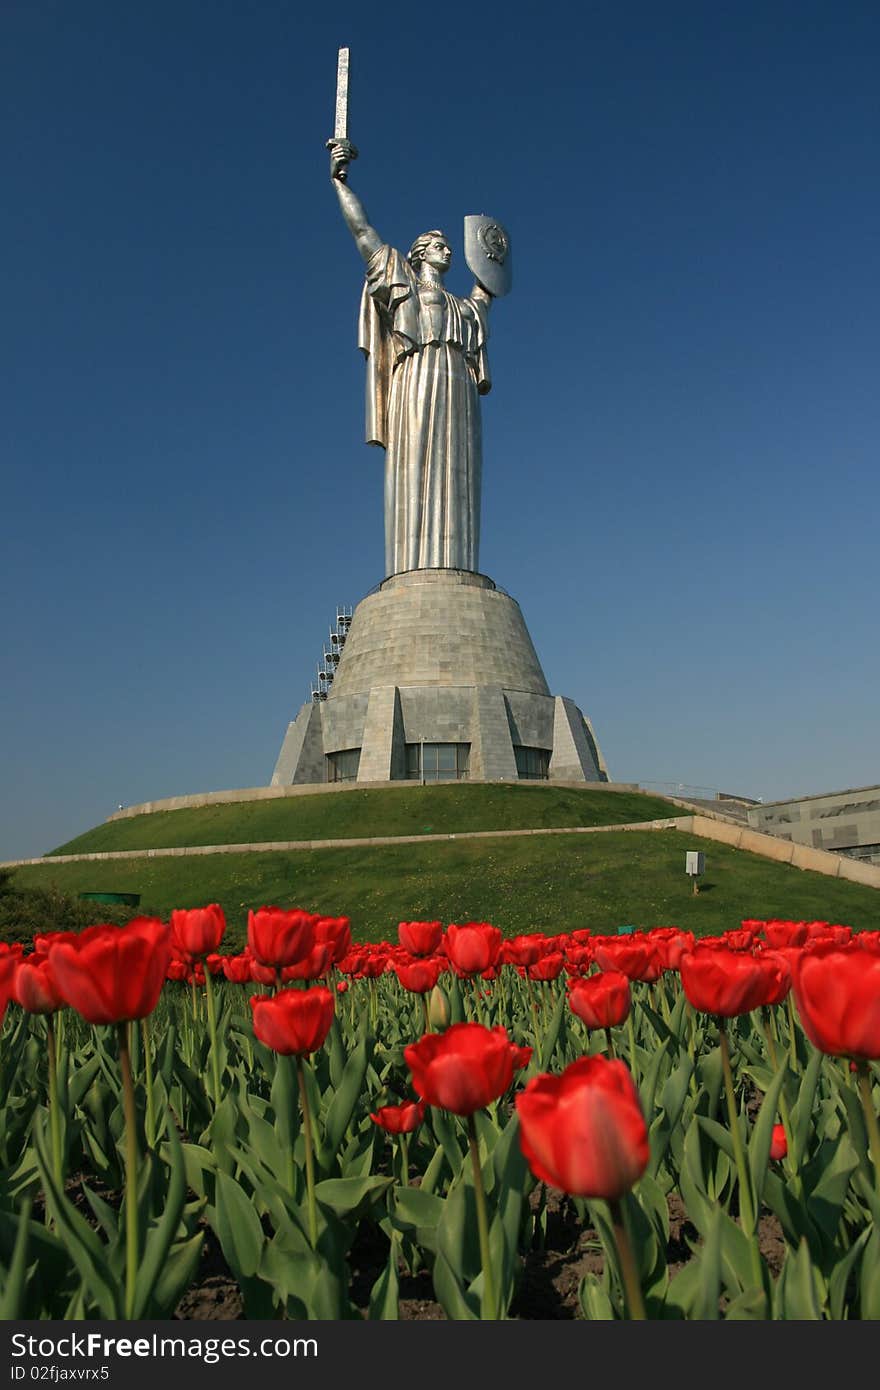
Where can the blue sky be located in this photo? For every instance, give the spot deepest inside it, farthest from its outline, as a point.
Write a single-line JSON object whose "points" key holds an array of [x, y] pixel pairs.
{"points": [[680, 450]]}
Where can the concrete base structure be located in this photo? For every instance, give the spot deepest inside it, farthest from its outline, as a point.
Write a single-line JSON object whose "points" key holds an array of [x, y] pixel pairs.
{"points": [[438, 680], [846, 822]]}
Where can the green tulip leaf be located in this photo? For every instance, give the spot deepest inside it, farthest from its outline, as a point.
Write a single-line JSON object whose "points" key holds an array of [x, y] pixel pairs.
{"points": [[13, 1292], [800, 1289], [595, 1304], [762, 1134], [384, 1303], [238, 1228], [456, 1302], [351, 1196], [346, 1097]]}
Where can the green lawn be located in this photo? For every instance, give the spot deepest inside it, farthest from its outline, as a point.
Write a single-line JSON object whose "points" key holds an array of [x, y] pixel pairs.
{"points": [[379, 811], [546, 883]]}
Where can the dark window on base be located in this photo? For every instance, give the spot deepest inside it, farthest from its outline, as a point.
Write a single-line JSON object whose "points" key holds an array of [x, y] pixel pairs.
{"points": [[343, 766], [532, 762], [437, 762]]}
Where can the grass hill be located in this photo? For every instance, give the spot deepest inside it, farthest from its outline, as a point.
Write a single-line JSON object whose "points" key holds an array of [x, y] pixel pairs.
{"points": [[543, 882], [374, 811]]}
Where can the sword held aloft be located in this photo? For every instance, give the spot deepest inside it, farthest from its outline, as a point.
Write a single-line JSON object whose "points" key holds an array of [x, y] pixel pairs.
{"points": [[341, 147]]}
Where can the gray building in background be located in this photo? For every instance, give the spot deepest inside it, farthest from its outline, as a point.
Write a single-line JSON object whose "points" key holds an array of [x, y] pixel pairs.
{"points": [[847, 822]]}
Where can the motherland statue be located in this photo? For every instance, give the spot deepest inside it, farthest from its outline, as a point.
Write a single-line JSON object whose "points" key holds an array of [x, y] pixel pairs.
{"points": [[434, 676], [427, 367]]}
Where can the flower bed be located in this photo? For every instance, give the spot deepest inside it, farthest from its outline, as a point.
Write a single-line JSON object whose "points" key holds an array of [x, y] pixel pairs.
{"points": [[450, 1125]]}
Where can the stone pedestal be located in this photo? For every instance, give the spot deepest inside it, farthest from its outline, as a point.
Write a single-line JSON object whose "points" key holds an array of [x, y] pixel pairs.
{"points": [[440, 657]]}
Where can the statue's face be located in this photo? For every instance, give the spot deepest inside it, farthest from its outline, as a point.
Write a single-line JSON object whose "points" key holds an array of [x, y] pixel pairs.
{"points": [[437, 253]]}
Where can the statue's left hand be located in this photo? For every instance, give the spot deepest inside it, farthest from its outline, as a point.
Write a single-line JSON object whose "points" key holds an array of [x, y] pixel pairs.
{"points": [[342, 152]]}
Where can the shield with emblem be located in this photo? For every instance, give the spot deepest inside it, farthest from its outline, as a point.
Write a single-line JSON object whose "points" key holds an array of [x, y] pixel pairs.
{"points": [[487, 252]]}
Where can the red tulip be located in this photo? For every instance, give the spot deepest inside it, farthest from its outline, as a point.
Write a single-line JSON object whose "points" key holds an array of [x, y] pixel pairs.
{"points": [[294, 1022], [34, 986], [113, 974], [420, 938], [419, 976], [777, 991], [603, 1000], [778, 1142], [473, 947], [44, 941], [836, 934], [237, 969], [197, 930], [723, 982], [635, 956], [521, 950], [578, 958], [782, 933], [352, 962], [9, 958], [400, 1119], [278, 938], [336, 930], [548, 967], [584, 1131], [314, 965], [741, 940], [374, 964], [342, 987], [465, 1068], [670, 944], [837, 994]]}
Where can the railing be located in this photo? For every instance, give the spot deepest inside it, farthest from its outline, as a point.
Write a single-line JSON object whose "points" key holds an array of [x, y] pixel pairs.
{"points": [[687, 789]]}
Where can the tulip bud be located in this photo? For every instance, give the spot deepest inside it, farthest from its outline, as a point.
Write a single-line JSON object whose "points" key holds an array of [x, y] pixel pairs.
{"points": [[438, 1007]]}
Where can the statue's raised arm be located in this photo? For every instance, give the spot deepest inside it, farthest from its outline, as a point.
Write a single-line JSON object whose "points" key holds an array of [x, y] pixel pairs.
{"points": [[367, 239]]}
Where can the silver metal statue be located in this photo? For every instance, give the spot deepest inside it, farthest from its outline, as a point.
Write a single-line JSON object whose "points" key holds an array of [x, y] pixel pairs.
{"points": [[426, 369]]}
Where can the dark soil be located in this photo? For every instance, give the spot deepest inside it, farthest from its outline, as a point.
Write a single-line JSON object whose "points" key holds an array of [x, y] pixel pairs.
{"points": [[548, 1289], [549, 1281]]}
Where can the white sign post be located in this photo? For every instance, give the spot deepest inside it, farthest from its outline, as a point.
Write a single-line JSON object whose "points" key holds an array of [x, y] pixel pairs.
{"points": [[695, 864]]}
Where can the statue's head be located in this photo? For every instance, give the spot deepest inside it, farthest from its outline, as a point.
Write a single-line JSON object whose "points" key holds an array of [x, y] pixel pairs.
{"points": [[432, 248]]}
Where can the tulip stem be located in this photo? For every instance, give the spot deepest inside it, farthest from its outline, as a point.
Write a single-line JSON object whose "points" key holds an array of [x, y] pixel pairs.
{"points": [[310, 1160], [131, 1165], [427, 1013], [631, 1031], [54, 1117], [489, 1310], [792, 1038], [628, 1268], [747, 1214], [478, 1001], [609, 1045], [148, 1082], [404, 1160], [374, 1005], [539, 1040], [863, 1076], [212, 1034], [784, 1113]]}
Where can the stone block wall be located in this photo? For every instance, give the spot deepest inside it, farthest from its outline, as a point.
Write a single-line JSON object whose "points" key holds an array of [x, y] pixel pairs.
{"points": [[439, 656]]}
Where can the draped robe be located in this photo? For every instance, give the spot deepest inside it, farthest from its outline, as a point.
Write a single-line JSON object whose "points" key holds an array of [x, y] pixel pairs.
{"points": [[426, 368]]}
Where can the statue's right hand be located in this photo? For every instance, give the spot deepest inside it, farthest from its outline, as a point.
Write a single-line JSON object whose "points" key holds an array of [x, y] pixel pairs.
{"points": [[342, 152]]}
